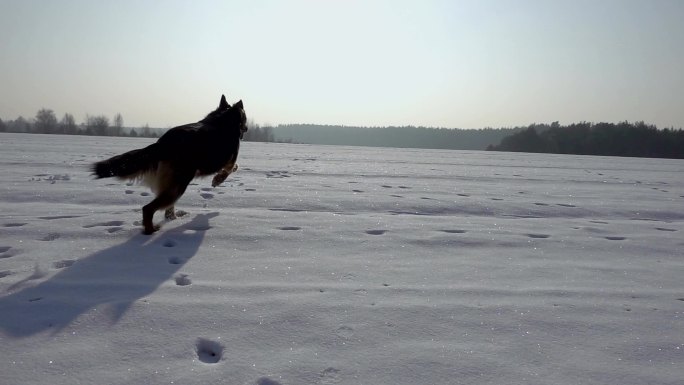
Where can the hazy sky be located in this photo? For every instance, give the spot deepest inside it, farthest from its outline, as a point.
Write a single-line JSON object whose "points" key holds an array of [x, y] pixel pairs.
{"points": [[466, 64]]}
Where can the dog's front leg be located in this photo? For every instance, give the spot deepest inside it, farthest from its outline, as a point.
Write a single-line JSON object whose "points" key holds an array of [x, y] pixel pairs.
{"points": [[223, 174], [170, 213]]}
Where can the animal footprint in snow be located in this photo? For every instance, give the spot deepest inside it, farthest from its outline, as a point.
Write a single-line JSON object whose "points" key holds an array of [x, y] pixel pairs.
{"points": [[183, 280], [207, 195], [664, 229], [345, 331], [456, 231], [169, 243], [15, 224], [330, 376], [611, 238], [538, 236], [5, 273], [278, 174], [289, 228], [63, 263], [5, 252], [376, 232], [51, 218], [104, 224], [176, 260], [50, 237], [55, 178], [208, 351], [540, 204]]}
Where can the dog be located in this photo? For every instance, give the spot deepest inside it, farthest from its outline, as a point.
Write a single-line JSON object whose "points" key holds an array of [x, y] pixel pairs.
{"points": [[207, 147]]}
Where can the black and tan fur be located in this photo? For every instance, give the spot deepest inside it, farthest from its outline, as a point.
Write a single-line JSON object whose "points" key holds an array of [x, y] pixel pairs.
{"points": [[207, 147]]}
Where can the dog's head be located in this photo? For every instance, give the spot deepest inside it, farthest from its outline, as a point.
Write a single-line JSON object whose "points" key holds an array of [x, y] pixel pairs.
{"points": [[226, 115], [242, 116]]}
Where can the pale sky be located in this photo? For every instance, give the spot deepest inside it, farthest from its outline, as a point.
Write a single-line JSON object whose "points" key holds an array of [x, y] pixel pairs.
{"points": [[458, 64]]}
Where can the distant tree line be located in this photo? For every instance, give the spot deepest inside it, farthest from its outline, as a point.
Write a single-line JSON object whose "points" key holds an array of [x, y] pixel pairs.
{"points": [[46, 122], [623, 139], [257, 133], [403, 137]]}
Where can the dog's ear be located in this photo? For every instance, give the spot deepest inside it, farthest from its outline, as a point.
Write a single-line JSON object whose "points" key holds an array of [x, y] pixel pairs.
{"points": [[223, 104], [239, 105]]}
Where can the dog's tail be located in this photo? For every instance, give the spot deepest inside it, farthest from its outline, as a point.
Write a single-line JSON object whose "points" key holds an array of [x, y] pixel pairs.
{"points": [[129, 165]]}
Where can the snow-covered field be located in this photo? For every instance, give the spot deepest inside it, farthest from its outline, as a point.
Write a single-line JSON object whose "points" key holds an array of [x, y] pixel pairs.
{"points": [[340, 265]]}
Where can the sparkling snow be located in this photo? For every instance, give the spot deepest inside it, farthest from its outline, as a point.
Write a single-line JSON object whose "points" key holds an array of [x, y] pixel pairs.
{"points": [[343, 265]]}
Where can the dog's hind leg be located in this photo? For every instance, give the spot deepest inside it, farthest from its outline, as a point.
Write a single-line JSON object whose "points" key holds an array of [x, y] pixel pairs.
{"points": [[165, 199], [172, 190]]}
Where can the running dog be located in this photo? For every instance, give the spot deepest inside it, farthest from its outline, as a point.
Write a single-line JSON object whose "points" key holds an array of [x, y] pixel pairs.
{"points": [[207, 147]]}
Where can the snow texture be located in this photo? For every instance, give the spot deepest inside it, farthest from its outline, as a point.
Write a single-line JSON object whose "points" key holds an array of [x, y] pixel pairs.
{"points": [[342, 265]]}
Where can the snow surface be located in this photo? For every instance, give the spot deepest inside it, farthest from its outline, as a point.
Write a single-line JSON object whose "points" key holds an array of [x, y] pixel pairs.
{"points": [[342, 265]]}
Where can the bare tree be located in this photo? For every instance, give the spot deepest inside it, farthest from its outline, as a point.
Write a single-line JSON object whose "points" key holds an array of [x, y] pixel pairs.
{"points": [[97, 125], [21, 125], [68, 124], [46, 122], [145, 131], [117, 126]]}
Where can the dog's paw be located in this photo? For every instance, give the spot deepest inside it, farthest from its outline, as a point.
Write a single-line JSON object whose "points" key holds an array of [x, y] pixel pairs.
{"points": [[170, 214], [219, 178], [149, 230]]}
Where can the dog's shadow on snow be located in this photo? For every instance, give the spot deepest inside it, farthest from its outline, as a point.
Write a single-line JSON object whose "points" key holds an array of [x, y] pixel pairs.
{"points": [[104, 285]]}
